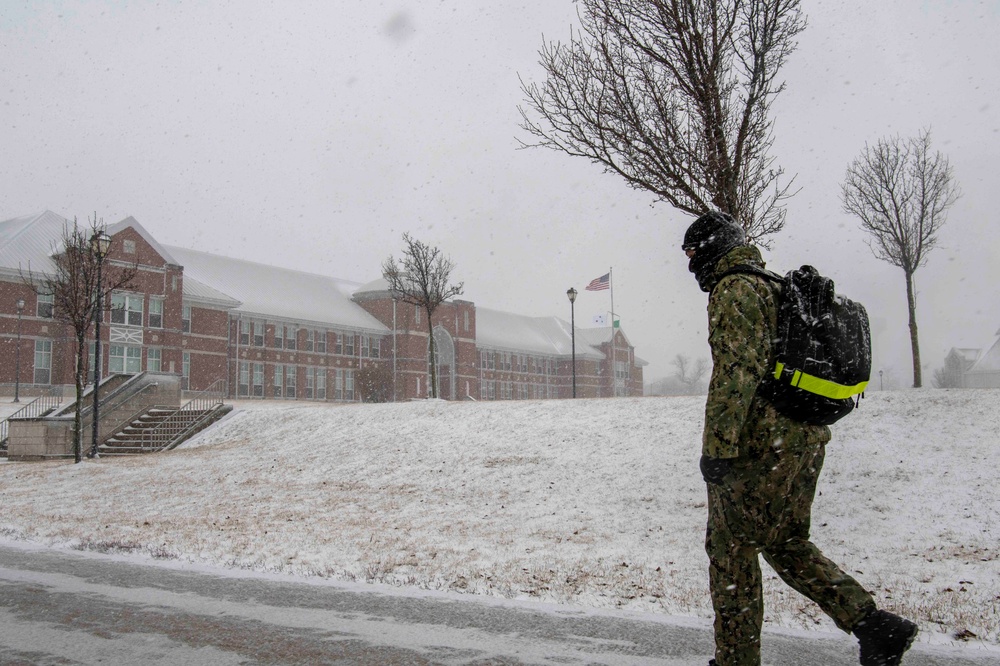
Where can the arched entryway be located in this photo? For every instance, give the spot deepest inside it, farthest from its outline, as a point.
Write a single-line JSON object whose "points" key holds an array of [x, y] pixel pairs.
{"points": [[445, 363]]}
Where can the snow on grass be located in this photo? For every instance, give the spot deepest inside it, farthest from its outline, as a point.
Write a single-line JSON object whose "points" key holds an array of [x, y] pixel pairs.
{"points": [[588, 502]]}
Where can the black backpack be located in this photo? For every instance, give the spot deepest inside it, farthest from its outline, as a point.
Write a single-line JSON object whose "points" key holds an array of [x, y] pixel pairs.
{"points": [[823, 353]]}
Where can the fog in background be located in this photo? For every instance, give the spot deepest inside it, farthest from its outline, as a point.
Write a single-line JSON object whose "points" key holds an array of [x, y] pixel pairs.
{"points": [[312, 135]]}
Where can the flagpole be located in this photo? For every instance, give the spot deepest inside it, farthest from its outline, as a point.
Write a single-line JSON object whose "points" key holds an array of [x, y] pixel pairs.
{"points": [[614, 368]]}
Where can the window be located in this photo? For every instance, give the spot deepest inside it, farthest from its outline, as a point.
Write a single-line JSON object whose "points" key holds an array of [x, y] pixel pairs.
{"points": [[279, 336], [154, 360], [365, 346], [186, 371], [125, 359], [128, 246], [186, 319], [46, 303], [279, 375], [338, 344], [290, 333], [43, 362], [258, 378], [348, 384], [321, 384], [155, 312], [251, 381], [252, 332], [349, 345], [466, 320], [321, 342], [310, 383], [289, 381], [338, 385], [376, 344], [126, 309], [310, 341], [243, 385], [416, 314]]}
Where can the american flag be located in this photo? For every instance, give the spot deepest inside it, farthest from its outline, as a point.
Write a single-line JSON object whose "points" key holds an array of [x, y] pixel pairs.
{"points": [[601, 283]]}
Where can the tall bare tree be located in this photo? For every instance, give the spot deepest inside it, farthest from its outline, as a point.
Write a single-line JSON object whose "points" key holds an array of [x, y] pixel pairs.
{"points": [[421, 277], [689, 372], [73, 285], [675, 97], [901, 191]]}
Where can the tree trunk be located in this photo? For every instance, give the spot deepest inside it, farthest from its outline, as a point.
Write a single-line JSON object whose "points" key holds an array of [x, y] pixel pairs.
{"points": [[911, 304], [432, 389], [78, 412]]}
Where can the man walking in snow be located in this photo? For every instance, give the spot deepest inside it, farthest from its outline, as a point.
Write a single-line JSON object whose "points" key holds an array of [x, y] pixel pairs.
{"points": [[761, 468]]}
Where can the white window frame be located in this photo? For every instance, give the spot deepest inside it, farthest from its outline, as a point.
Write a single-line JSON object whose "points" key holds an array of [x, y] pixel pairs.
{"points": [[154, 359], [155, 312], [43, 362], [45, 306], [126, 309]]}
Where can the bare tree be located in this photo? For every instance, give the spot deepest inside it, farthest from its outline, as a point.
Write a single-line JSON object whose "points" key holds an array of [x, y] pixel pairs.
{"points": [[73, 285], [689, 373], [901, 192], [420, 277], [675, 97]]}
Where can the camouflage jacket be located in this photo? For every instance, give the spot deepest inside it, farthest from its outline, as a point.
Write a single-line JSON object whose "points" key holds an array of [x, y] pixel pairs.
{"points": [[742, 321]]}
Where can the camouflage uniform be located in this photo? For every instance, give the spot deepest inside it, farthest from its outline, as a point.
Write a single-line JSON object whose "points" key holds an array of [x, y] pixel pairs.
{"points": [[763, 504]]}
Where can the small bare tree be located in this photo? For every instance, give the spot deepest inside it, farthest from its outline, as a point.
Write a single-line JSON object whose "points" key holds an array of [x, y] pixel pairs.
{"points": [[675, 97], [901, 192], [421, 277], [689, 373], [73, 285]]}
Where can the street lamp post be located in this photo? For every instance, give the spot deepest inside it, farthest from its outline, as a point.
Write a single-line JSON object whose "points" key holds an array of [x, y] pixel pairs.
{"points": [[17, 353], [100, 243], [571, 293]]}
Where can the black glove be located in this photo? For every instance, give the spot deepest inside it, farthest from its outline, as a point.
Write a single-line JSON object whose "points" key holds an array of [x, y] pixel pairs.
{"points": [[713, 470]]}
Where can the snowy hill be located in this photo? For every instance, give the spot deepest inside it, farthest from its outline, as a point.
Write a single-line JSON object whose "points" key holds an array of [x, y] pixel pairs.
{"points": [[587, 502]]}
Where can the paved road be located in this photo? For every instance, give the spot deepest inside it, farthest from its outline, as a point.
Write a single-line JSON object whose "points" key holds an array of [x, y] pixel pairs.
{"points": [[61, 607]]}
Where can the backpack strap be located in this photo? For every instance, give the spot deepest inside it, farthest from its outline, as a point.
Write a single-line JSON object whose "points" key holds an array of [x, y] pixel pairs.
{"points": [[747, 269]]}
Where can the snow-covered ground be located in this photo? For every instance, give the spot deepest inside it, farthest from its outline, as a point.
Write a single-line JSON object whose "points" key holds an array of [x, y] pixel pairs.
{"points": [[588, 502]]}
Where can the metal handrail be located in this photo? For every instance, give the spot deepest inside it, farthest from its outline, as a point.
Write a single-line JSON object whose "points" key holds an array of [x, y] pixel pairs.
{"points": [[33, 409], [185, 419]]}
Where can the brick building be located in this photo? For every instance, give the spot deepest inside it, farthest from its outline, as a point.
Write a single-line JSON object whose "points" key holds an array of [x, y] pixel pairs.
{"points": [[270, 332]]}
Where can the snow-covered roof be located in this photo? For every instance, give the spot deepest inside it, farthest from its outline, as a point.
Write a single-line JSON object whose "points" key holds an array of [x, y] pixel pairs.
{"points": [[378, 287], [547, 336], [29, 241], [281, 293], [139, 229], [988, 362], [199, 292]]}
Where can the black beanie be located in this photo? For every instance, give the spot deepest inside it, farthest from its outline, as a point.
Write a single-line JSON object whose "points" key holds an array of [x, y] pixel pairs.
{"points": [[711, 236]]}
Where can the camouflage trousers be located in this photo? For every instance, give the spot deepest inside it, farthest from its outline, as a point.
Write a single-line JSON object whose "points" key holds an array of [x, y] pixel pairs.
{"points": [[763, 507]]}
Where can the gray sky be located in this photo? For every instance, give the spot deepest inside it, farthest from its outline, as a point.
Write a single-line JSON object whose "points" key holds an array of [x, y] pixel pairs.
{"points": [[313, 134]]}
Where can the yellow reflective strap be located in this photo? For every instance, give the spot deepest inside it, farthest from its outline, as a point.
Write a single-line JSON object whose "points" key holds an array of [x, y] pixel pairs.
{"points": [[823, 387]]}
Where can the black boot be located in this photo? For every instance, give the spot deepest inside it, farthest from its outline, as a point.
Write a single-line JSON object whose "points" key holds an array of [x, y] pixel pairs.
{"points": [[884, 638]]}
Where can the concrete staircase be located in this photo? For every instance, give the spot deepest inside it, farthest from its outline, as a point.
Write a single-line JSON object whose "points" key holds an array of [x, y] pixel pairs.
{"points": [[160, 429]]}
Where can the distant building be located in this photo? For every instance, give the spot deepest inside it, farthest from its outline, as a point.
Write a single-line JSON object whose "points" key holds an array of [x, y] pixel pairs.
{"points": [[276, 333], [981, 370]]}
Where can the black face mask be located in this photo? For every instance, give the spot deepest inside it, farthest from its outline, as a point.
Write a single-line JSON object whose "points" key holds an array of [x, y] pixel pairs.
{"points": [[704, 270]]}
